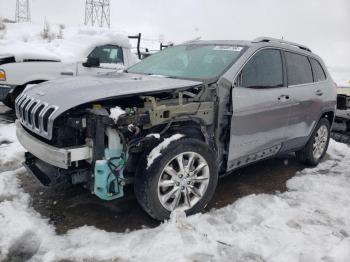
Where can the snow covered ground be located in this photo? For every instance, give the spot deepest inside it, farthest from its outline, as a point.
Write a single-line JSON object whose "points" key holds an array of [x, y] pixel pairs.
{"points": [[309, 222]]}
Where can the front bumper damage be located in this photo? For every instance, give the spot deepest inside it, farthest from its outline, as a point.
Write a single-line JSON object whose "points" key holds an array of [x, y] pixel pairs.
{"points": [[78, 165], [59, 157], [49, 175], [51, 165]]}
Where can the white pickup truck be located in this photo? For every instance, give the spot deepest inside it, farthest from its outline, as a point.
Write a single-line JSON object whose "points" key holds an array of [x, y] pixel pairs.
{"points": [[341, 125], [19, 70]]}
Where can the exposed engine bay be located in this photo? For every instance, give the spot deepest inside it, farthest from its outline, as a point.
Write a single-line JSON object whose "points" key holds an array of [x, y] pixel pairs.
{"points": [[116, 143]]}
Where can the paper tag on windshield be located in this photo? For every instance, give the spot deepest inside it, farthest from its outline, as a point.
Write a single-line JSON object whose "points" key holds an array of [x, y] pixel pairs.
{"points": [[228, 48]]}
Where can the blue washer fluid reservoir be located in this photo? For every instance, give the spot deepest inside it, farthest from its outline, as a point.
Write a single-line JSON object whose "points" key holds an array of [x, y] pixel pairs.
{"points": [[109, 178]]}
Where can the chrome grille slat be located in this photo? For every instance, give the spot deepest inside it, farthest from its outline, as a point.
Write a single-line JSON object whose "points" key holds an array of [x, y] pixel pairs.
{"points": [[16, 102], [23, 105], [28, 105], [35, 115], [30, 116], [41, 117], [47, 117], [20, 101]]}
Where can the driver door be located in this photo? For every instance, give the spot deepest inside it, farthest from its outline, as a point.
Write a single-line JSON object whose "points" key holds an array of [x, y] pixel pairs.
{"points": [[110, 58], [260, 109]]}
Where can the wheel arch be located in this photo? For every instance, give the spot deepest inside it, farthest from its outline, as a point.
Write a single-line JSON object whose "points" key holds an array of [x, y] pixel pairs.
{"points": [[329, 115], [325, 114], [189, 129]]}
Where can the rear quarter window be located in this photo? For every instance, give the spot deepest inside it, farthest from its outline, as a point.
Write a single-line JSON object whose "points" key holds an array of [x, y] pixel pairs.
{"points": [[298, 69], [319, 74]]}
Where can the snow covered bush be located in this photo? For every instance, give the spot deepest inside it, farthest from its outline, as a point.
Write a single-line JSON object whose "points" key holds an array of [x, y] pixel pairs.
{"points": [[2, 28], [2, 24], [47, 34], [60, 32]]}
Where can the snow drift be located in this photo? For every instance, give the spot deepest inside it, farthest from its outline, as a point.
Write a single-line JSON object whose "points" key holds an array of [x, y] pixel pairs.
{"points": [[71, 44]]}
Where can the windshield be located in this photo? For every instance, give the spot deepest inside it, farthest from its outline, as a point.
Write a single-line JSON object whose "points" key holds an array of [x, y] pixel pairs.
{"points": [[190, 61]]}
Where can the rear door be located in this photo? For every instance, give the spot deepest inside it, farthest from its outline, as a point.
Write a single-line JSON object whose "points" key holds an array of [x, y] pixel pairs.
{"points": [[260, 109], [306, 98]]}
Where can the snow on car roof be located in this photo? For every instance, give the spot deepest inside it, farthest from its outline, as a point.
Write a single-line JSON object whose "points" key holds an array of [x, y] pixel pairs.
{"points": [[21, 56], [25, 42]]}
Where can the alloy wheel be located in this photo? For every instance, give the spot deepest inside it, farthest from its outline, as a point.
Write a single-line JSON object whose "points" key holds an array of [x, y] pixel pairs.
{"points": [[183, 181]]}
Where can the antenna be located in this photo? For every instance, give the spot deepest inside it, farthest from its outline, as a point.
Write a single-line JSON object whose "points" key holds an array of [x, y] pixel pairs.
{"points": [[22, 11], [97, 13]]}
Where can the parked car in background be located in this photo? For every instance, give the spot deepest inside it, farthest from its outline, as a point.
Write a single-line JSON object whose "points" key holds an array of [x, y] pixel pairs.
{"points": [[175, 122], [341, 127], [21, 69]]}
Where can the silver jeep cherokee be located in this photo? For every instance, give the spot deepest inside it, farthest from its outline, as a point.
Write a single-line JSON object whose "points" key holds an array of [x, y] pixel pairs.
{"points": [[172, 124]]}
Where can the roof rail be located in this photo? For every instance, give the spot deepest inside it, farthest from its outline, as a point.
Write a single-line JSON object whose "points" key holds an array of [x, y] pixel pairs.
{"points": [[281, 41]]}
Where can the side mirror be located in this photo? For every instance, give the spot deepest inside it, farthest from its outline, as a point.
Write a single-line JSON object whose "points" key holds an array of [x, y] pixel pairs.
{"points": [[92, 62]]}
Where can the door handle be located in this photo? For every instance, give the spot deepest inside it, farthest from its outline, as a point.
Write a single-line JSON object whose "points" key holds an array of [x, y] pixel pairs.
{"points": [[283, 98], [319, 92], [67, 73]]}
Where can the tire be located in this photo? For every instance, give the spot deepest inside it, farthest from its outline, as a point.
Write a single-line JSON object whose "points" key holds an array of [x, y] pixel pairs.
{"points": [[307, 155], [10, 100], [7, 103], [151, 195]]}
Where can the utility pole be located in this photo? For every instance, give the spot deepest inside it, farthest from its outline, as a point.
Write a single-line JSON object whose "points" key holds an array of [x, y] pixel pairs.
{"points": [[97, 13], [22, 11]]}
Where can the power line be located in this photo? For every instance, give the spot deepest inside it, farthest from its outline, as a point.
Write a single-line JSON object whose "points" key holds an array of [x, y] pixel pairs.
{"points": [[97, 13], [22, 11]]}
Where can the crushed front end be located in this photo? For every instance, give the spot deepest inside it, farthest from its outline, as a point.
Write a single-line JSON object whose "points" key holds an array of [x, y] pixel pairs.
{"points": [[85, 149], [88, 145]]}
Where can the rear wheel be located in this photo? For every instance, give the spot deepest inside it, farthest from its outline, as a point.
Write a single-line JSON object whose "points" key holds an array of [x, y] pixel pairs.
{"points": [[184, 178], [317, 145]]}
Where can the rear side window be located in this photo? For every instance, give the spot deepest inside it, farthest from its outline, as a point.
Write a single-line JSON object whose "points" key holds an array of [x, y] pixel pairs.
{"points": [[298, 69], [263, 70], [319, 74]]}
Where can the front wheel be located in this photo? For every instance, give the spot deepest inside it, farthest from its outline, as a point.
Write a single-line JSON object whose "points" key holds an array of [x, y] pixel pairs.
{"points": [[183, 177], [317, 146]]}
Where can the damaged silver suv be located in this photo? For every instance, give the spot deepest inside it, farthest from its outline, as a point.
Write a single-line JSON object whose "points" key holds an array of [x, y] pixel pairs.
{"points": [[172, 124]]}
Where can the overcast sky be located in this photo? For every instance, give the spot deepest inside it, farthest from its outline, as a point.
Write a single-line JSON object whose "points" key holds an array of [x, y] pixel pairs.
{"points": [[323, 25]]}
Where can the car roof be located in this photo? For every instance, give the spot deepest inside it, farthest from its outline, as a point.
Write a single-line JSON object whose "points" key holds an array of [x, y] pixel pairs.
{"points": [[218, 42], [258, 43]]}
